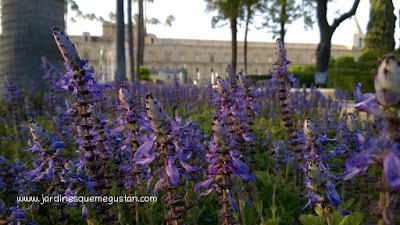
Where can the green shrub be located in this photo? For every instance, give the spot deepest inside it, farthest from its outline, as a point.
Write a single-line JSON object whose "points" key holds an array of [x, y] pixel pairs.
{"points": [[348, 82], [305, 78], [368, 60], [345, 62], [294, 69], [308, 68]]}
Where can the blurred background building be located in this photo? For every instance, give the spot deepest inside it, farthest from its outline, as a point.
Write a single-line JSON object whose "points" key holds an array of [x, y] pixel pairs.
{"points": [[200, 60]]}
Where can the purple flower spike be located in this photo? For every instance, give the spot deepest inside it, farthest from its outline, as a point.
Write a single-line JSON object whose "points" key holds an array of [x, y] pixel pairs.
{"points": [[392, 166], [173, 174], [387, 81], [280, 50], [65, 46]]}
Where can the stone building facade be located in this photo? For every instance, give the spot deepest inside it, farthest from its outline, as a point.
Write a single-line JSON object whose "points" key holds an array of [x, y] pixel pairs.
{"points": [[202, 59]]}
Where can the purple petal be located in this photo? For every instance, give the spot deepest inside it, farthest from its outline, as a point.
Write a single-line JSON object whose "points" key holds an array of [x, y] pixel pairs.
{"points": [[392, 168], [118, 129], [206, 192], [239, 165], [232, 202], [158, 185], [247, 177], [144, 148], [203, 184], [173, 174], [189, 168], [85, 211], [147, 161]]}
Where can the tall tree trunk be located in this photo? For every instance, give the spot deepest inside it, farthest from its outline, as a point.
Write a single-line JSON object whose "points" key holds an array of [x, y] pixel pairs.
{"points": [[245, 36], [283, 22], [326, 31], [233, 22], [130, 43], [323, 53], [140, 43], [121, 65]]}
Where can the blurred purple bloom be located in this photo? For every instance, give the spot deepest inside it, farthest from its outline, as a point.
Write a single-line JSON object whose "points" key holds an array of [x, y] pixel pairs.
{"points": [[391, 166]]}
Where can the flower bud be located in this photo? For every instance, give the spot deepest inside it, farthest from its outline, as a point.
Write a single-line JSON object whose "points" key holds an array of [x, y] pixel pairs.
{"points": [[244, 82], [220, 131], [123, 94], [387, 81], [351, 122], [308, 126], [67, 49], [222, 86], [40, 135], [158, 117], [230, 73]]}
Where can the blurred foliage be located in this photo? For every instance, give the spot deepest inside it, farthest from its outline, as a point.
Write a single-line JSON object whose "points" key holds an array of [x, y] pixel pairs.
{"points": [[381, 26]]}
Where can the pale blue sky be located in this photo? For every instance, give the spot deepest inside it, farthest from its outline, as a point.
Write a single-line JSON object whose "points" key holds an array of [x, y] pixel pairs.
{"points": [[193, 23]]}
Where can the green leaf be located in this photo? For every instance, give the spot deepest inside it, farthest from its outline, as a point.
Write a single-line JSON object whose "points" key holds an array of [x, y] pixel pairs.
{"points": [[309, 220], [272, 222], [352, 219]]}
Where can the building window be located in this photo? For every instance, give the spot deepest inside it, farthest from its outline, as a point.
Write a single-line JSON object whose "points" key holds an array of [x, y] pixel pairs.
{"points": [[86, 38], [197, 58], [256, 71], [227, 59], [360, 42], [211, 58], [152, 40], [241, 58], [182, 58], [197, 70], [167, 57], [212, 70], [153, 57]]}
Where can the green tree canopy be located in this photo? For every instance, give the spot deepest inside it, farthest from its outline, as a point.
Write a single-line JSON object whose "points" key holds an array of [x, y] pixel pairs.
{"points": [[381, 25]]}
